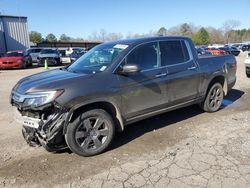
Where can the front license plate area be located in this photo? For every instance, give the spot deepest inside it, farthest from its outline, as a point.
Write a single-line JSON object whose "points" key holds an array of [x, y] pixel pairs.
{"points": [[26, 121]]}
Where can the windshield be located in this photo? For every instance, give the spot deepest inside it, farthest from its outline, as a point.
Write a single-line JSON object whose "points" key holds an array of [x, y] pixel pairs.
{"points": [[97, 59], [48, 51], [13, 54]]}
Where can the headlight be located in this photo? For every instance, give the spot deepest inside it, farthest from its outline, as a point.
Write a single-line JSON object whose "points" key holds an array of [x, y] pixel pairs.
{"points": [[40, 98], [19, 61]]}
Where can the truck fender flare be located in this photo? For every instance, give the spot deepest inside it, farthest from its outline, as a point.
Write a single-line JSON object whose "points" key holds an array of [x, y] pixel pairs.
{"points": [[118, 117], [219, 76]]}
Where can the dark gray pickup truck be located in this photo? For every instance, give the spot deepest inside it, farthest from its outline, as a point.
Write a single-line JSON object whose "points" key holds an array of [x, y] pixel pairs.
{"points": [[81, 106]]}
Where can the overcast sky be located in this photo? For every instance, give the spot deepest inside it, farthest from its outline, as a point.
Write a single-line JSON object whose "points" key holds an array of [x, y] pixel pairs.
{"points": [[79, 18]]}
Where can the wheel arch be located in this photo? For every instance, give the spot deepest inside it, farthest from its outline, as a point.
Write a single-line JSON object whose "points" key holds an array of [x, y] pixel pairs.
{"points": [[109, 107], [222, 80]]}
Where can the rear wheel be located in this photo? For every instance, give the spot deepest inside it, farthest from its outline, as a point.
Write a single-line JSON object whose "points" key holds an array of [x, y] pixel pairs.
{"points": [[248, 75], [90, 133], [213, 99]]}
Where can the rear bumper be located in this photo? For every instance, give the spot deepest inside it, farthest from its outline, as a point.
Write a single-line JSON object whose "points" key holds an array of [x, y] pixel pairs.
{"points": [[248, 70], [235, 53], [247, 65], [231, 84]]}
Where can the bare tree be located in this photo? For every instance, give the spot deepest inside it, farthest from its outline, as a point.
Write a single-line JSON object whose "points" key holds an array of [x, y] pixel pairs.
{"points": [[162, 31], [113, 36], [216, 35], [103, 35], [186, 30], [228, 26]]}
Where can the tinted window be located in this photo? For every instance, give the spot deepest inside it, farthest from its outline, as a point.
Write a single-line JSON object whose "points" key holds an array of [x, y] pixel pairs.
{"points": [[48, 51], [13, 54], [145, 56], [37, 50], [173, 52]]}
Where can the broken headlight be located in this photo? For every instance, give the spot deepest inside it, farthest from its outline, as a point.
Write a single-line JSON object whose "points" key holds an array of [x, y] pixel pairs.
{"points": [[36, 99]]}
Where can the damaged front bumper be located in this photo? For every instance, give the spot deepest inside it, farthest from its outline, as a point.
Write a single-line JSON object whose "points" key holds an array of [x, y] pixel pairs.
{"points": [[42, 126]]}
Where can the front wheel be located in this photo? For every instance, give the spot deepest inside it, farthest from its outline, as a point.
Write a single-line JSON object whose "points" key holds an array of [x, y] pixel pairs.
{"points": [[25, 65], [213, 99], [90, 133]]}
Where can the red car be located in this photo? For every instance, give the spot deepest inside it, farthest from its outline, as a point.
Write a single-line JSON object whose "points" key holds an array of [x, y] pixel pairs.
{"points": [[215, 51], [15, 59]]}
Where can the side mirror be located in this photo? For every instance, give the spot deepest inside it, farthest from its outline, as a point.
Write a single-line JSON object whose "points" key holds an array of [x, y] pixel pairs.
{"points": [[130, 68]]}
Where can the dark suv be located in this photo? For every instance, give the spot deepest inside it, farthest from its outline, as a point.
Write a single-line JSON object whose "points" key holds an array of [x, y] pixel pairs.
{"points": [[81, 106], [245, 47]]}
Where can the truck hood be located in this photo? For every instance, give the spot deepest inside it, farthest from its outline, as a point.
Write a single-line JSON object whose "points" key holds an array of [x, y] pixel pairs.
{"points": [[49, 80], [48, 55]]}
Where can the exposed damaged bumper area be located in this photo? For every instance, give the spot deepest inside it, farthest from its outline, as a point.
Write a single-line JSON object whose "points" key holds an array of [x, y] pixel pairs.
{"points": [[42, 125]]}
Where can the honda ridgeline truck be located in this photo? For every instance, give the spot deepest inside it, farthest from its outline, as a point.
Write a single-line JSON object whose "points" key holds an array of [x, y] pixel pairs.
{"points": [[81, 106]]}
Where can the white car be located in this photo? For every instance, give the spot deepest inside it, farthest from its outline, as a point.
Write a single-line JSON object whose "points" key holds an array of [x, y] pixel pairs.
{"points": [[33, 52], [69, 51], [247, 63]]}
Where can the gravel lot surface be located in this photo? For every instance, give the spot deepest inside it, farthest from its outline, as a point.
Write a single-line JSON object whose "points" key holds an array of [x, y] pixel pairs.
{"points": [[183, 148]]}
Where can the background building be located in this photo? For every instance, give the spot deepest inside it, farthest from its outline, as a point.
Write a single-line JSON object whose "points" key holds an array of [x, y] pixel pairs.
{"points": [[14, 33]]}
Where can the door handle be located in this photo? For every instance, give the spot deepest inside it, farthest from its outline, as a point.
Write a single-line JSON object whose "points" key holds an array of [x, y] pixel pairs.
{"points": [[161, 75], [191, 68]]}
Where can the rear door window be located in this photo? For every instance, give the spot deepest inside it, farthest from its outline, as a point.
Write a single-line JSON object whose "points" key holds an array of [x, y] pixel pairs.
{"points": [[173, 52]]}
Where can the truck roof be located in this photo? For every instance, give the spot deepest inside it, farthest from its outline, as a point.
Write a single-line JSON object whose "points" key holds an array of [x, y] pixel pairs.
{"points": [[148, 39]]}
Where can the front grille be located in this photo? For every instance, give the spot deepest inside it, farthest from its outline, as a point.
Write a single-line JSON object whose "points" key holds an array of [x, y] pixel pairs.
{"points": [[49, 59], [8, 63]]}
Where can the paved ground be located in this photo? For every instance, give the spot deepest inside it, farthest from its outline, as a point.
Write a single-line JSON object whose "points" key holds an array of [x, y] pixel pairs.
{"points": [[183, 148]]}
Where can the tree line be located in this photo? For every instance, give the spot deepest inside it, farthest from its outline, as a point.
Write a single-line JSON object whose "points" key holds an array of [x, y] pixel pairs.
{"points": [[228, 33]]}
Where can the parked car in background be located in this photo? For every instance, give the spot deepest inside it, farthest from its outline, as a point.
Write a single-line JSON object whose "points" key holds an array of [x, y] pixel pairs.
{"points": [[245, 47], [202, 51], [15, 59], [51, 55], [216, 51], [238, 46], [75, 55], [71, 50], [33, 52], [82, 106], [62, 52], [231, 50], [247, 65]]}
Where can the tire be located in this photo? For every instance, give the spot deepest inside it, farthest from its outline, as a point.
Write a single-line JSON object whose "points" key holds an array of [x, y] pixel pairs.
{"points": [[90, 133], [59, 63], [30, 63], [25, 65], [213, 98], [248, 75], [30, 136]]}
